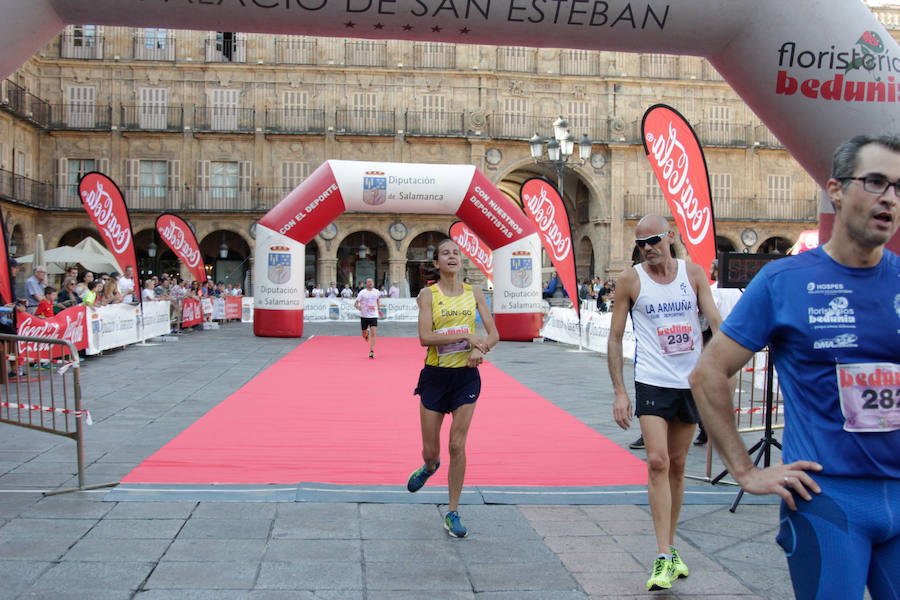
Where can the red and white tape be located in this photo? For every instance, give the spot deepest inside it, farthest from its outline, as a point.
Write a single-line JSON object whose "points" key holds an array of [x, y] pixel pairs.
{"points": [[79, 414], [759, 409]]}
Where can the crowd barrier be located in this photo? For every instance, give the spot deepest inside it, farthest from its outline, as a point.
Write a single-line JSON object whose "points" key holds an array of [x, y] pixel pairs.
{"points": [[47, 395], [562, 325]]}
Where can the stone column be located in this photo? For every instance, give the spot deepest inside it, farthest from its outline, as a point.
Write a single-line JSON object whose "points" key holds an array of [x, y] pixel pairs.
{"points": [[618, 261], [326, 271]]}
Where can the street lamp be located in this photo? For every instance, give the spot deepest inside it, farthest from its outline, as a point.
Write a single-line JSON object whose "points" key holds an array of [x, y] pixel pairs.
{"points": [[560, 149]]}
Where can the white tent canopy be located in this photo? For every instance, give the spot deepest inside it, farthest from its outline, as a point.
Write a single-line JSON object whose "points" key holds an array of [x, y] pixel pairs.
{"points": [[89, 253]]}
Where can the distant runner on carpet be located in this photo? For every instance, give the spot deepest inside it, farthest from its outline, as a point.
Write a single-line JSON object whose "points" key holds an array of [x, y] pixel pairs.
{"points": [[450, 382], [369, 308]]}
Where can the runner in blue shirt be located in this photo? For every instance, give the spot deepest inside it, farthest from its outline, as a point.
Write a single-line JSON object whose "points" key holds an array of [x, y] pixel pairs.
{"points": [[831, 319]]}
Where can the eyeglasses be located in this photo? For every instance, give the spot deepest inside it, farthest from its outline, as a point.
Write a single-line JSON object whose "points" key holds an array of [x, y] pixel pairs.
{"points": [[876, 183], [651, 240]]}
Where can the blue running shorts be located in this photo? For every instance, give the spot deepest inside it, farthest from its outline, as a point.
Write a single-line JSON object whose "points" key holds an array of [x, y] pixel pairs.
{"points": [[444, 389]]}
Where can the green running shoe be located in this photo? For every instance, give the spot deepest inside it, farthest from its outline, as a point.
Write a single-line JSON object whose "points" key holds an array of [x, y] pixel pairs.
{"points": [[681, 569], [419, 477], [663, 573], [453, 526]]}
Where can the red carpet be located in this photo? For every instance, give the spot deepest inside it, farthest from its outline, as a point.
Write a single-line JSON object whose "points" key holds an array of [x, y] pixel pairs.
{"points": [[326, 413]]}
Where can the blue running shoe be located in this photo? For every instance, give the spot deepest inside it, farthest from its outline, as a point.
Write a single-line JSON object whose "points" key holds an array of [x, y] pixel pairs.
{"points": [[453, 526], [419, 477]]}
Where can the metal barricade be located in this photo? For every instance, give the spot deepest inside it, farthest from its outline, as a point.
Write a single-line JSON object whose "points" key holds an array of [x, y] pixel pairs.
{"points": [[750, 406], [45, 392]]}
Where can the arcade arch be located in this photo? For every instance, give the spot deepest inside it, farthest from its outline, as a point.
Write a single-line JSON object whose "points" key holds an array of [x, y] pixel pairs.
{"points": [[361, 255], [419, 255], [225, 255], [775, 245]]}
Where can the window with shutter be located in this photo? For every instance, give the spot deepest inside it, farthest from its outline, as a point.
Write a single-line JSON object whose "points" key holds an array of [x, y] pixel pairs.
{"points": [[434, 116], [719, 119], [81, 106], [515, 121], [293, 174], [76, 168], [224, 179], [153, 108], [154, 175], [579, 117], [224, 104], [721, 186], [363, 116], [779, 188], [296, 103]]}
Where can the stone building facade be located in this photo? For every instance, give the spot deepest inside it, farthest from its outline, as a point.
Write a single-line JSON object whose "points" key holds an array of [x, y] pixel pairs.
{"points": [[219, 126]]}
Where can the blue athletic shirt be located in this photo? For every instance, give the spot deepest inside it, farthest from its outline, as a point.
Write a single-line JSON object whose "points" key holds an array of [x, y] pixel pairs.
{"points": [[815, 313]]}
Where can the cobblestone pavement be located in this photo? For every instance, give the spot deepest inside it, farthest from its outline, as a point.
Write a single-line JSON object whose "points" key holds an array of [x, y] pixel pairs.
{"points": [[83, 545]]}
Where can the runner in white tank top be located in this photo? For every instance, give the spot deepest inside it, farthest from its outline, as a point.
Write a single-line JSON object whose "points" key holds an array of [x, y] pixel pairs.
{"points": [[662, 294]]}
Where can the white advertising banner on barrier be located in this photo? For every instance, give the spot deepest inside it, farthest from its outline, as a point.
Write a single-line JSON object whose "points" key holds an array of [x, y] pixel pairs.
{"points": [[218, 309], [562, 326], [343, 309], [247, 309], [156, 319], [112, 326]]}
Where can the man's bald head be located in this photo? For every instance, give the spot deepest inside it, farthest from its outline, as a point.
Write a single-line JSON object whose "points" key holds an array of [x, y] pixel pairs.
{"points": [[650, 225]]}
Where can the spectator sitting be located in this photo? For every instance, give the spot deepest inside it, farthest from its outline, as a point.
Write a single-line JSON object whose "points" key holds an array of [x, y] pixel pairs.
{"points": [[67, 297], [45, 308]]}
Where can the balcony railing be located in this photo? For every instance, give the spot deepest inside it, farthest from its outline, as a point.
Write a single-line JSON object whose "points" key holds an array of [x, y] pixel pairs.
{"points": [[23, 190], [723, 134], [365, 122], [154, 48], [434, 55], [296, 51], [24, 104], [151, 118], [522, 60], [224, 118], [295, 120], [579, 62], [764, 137], [182, 199], [233, 51], [365, 53], [733, 209], [81, 116], [435, 123], [85, 47]]}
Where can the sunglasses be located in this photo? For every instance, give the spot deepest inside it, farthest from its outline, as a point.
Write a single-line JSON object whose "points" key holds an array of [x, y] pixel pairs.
{"points": [[651, 240]]}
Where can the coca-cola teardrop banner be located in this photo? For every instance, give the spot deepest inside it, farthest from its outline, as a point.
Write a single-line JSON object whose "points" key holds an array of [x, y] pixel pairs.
{"points": [[545, 208], [680, 168], [474, 248], [179, 236], [105, 204], [6, 278]]}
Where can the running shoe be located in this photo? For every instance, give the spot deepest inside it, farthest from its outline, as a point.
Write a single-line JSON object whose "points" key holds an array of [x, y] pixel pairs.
{"points": [[371, 354], [701, 438], [680, 568], [663, 573], [637, 444], [453, 526], [419, 477]]}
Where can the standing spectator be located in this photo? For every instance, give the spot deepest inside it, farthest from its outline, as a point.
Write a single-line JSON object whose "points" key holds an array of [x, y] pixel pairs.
{"points": [[332, 291], [126, 284], [317, 292], [67, 296], [346, 292], [111, 294], [71, 273], [382, 292], [34, 287], [84, 282], [394, 290], [45, 308], [147, 294]]}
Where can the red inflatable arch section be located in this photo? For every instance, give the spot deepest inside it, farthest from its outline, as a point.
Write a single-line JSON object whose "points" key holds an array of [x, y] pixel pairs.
{"points": [[816, 73], [370, 187]]}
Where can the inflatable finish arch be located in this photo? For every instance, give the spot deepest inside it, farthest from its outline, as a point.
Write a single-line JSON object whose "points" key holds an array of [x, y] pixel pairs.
{"points": [[338, 186], [815, 72]]}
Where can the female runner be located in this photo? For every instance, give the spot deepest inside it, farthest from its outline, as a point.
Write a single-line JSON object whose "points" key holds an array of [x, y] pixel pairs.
{"points": [[449, 382]]}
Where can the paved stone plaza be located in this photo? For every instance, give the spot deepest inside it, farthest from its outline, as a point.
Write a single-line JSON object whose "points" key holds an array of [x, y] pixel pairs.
{"points": [[84, 545]]}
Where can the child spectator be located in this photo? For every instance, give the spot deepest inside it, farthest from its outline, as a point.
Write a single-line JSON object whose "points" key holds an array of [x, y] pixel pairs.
{"points": [[45, 308]]}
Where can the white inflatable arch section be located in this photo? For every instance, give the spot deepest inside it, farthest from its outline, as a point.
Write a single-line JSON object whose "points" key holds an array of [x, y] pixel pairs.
{"points": [[370, 187]]}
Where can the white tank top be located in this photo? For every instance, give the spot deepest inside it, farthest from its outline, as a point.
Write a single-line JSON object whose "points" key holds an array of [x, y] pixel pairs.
{"points": [[666, 330]]}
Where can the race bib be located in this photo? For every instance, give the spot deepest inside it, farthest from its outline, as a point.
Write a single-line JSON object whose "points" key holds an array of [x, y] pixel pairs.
{"points": [[675, 339], [462, 346], [870, 396]]}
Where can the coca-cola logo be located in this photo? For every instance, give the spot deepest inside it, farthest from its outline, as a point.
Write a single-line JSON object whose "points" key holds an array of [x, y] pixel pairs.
{"points": [[100, 206], [71, 325], [544, 213], [471, 245], [673, 164], [191, 311], [178, 241]]}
